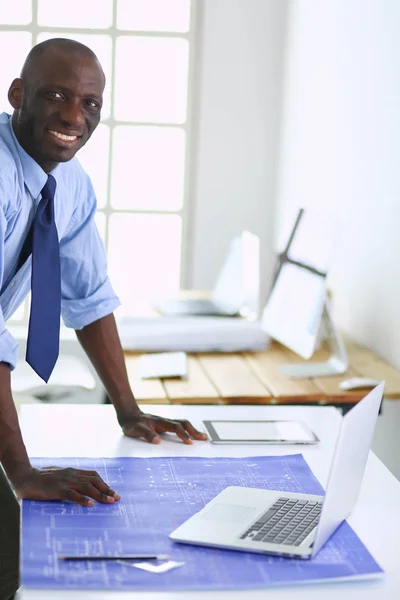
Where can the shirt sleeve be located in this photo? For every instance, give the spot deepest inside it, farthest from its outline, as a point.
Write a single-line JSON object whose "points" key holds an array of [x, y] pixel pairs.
{"points": [[8, 345], [86, 292]]}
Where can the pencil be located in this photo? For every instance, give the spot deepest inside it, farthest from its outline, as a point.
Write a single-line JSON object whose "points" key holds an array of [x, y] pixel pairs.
{"points": [[125, 557]]}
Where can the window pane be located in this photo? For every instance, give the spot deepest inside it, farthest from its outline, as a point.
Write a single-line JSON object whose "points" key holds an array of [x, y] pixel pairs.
{"points": [[151, 79], [15, 13], [75, 13], [100, 219], [94, 159], [14, 45], [154, 15], [144, 257], [101, 46], [148, 168]]}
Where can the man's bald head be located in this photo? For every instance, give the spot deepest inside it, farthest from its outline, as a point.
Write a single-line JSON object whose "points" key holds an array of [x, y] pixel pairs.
{"points": [[61, 46], [57, 100]]}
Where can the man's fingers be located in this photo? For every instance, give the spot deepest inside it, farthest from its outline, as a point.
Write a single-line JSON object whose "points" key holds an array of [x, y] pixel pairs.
{"points": [[89, 473], [175, 427], [74, 496], [91, 491], [145, 430], [148, 426], [197, 435], [94, 478], [76, 485], [84, 493], [182, 428], [101, 485]]}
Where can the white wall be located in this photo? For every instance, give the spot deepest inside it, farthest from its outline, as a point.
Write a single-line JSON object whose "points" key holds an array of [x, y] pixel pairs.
{"points": [[340, 151], [236, 118]]}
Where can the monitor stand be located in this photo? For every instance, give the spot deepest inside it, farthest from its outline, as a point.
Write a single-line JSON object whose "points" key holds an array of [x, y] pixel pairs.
{"points": [[335, 365]]}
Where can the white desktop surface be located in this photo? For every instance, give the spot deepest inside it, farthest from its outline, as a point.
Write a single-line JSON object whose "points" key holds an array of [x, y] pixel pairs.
{"points": [[87, 430]]}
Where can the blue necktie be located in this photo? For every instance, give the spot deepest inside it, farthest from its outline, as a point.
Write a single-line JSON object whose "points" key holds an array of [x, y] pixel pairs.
{"points": [[44, 322]]}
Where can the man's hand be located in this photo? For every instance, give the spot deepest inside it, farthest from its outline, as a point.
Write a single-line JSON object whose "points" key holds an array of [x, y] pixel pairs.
{"points": [[54, 483], [101, 343], [141, 425]]}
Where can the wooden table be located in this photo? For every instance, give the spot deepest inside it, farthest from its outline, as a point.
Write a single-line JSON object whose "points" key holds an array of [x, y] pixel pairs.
{"points": [[254, 378]]}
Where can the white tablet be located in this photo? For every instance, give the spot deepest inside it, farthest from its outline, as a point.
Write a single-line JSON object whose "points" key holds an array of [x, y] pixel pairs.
{"points": [[260, 432]]}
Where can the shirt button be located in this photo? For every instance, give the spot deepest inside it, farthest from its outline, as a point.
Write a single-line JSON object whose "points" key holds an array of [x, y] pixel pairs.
{"points": [[12, 284]]}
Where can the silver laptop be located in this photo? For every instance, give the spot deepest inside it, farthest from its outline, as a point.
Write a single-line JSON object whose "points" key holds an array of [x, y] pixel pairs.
{"points": [[236, 291], [290, 524]]}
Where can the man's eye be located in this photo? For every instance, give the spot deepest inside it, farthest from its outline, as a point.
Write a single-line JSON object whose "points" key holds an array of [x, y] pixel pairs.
{"points": [[93, 104], [55, 95]]}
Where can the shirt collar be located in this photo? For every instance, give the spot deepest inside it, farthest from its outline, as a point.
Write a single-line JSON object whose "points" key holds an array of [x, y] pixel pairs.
{"points": [[34, 176]]}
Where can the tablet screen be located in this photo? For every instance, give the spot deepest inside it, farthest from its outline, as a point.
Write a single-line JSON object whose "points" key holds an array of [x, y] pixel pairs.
{"points": [[260, 432]]}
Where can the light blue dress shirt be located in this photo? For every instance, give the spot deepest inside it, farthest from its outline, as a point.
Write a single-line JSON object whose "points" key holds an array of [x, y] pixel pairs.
{"points": [[86, 293]]}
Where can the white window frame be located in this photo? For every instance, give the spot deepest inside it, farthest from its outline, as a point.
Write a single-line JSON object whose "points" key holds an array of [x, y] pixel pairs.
{"points": [[186, 211]]}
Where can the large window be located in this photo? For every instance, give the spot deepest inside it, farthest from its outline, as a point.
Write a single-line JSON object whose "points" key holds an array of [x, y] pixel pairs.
{"points": [[137, 158]]}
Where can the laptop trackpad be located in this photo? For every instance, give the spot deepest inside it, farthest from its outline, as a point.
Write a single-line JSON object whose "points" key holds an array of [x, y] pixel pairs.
{"points": [[229, 513]]}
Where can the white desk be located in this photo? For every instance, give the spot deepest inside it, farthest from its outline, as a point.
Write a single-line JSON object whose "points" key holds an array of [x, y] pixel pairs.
{"points": [[65, 430]]}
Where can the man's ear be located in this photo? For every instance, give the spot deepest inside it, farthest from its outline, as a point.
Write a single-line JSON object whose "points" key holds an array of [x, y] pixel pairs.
{"points": [[16, 93]]}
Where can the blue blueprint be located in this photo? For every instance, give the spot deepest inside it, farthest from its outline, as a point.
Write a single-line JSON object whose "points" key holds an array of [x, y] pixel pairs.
{"points": [[157, 495]]}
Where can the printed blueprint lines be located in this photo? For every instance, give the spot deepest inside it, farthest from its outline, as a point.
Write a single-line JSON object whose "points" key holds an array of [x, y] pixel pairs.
{"points": [[157, 495]]}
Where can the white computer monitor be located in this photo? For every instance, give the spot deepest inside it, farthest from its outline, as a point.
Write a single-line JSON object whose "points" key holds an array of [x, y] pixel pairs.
{"points": [[236, 291], [298, 304], [238, 283]]}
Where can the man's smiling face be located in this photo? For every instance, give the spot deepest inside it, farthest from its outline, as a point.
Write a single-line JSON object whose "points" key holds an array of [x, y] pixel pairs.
{"points": [[57, 106]]}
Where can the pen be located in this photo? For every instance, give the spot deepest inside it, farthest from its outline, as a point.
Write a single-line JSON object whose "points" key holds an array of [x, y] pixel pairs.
{"points": [[125, 557]]}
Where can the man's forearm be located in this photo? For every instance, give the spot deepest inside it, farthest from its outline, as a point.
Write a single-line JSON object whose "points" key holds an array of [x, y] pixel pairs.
{"points": [[101, 343], [13, 455]]}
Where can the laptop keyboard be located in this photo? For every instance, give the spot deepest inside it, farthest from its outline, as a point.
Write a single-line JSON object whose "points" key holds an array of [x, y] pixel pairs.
{"points": [[288, 521]]}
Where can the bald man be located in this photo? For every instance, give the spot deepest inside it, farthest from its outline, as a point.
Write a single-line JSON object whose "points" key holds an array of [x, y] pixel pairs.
{"points": [[57, 105]]}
